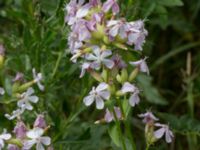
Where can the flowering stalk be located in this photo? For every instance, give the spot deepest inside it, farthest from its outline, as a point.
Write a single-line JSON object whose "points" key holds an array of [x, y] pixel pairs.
{"points": [[96, 40]]}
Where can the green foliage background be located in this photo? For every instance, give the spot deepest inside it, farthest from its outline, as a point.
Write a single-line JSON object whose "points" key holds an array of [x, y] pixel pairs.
{"points": [[35, 35]]}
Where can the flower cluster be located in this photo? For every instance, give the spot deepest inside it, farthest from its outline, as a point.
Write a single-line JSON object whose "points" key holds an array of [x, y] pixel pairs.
{"points": [[24, 135], [97, 42]]}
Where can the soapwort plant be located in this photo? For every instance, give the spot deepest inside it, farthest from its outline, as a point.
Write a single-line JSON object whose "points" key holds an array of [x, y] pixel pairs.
{"points": [[98, 41]]}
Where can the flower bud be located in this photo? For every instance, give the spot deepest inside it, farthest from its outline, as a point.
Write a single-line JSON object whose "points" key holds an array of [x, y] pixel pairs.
{"points": [[96, 76], [149, 134], [124, 75], [40, 122], [105, 75], [20, 130], [119, 79], [133, 74]]}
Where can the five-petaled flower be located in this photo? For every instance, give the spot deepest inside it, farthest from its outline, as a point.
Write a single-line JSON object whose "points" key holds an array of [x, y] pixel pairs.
{"points": [[163, 130], [98, 94], [36, 137], [27, 98], [100, 57], [130, 88]]}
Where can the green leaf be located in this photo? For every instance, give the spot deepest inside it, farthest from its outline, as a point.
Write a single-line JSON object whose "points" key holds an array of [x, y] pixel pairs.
{"points": [[171, 3], [150, 92], [114, 135], [183, 124]]}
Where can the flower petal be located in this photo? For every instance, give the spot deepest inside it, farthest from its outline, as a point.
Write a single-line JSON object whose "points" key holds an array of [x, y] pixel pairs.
{"points": [[104, 94], [102, 86], [99, 103], [45, 140], [127, 87], [134, 99], [159, 133], [33, 99], [88, 100]]}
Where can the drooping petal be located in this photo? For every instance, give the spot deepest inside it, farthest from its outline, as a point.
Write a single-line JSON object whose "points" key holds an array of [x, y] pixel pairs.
{"points": [[99, 102], [108, 116], [39, 146], [88, 100], [134, 100], [168, 137], [29, 144], [45, 140], [159, 133]]}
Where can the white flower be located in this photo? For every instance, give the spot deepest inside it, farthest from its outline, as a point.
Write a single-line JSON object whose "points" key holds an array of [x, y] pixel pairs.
{"points": [[27, 99], [37, 79], [36, 137], [16, 113], [148, 117], [142, 65], [100, 57], [130, 88], [4, 136], [2, 91], [98, 94], [163, 130]]}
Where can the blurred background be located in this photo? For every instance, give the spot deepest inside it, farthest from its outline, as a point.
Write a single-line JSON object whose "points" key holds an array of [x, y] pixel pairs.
{"points": [[35, 35]]}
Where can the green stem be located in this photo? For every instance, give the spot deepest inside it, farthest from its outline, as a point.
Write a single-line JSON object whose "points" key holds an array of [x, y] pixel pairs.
{"points": [[57, 64], [119, 130], [147, 147]]}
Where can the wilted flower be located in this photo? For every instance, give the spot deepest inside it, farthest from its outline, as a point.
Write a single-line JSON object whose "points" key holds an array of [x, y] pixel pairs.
{"points": [[16, 113], [136, 34], [4, 136], [148, 117], [2, 91], [119, 63], [100, 57], [163, 130], [36, 137], [40, 122], [19, 77], [109, 116], [27, 98], [130, 88], [142, 65], [37, 78], [13, 147], [20, 130], [111, 4], [98, 94]]}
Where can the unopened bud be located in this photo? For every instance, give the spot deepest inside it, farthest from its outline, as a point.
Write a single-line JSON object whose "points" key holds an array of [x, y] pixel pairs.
{"points": [[133, 74]]}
